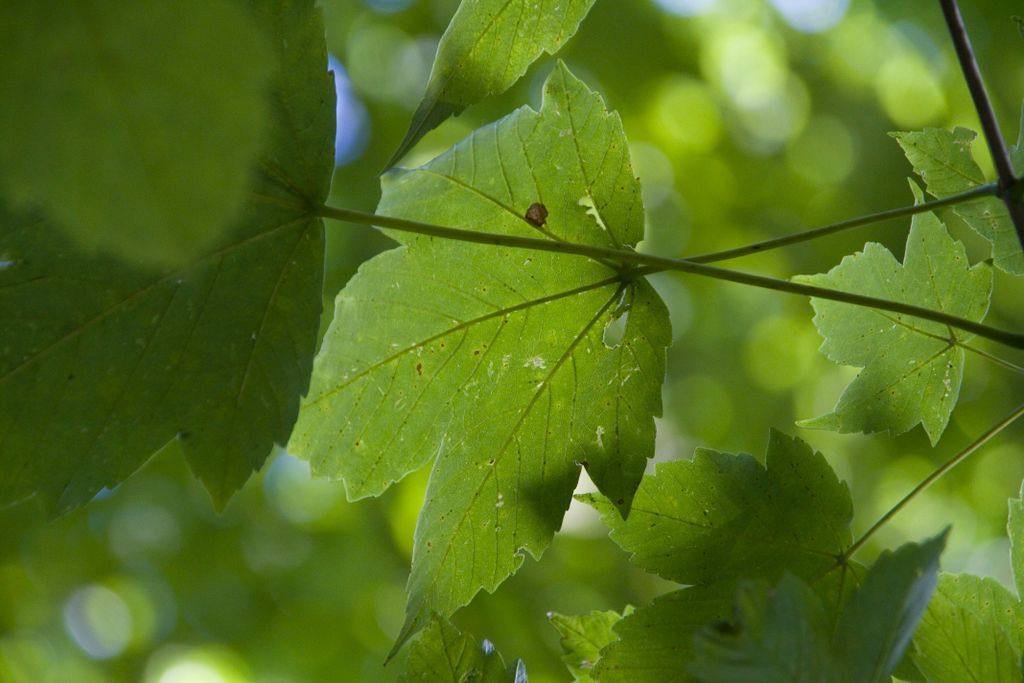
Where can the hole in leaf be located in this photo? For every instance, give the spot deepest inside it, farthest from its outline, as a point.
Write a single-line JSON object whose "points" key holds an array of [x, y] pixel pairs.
{"points": [[615, 330]]}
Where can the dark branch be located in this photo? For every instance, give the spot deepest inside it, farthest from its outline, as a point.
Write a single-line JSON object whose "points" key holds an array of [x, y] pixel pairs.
{"points": [[989, 123]]}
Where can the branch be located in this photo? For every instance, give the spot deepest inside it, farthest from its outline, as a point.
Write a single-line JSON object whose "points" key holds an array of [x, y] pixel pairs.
{"points": [[652, 264], [981, 191], [989, 123], [932, 478]]}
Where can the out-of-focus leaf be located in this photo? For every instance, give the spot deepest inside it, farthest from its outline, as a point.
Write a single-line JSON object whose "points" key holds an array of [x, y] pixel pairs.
{"points": [[443, 654], [777, 636], [879, 619], [912, 368], [105, 364], [583, 638], [945, 162], [493, 362], [723, 516], [488, 46], [133, 125]]}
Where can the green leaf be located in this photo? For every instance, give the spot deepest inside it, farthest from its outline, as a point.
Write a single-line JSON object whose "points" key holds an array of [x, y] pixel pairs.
{"points": [[655, 642], [492, 361], [974, 627], [108, 363], [488, 46], [782, 635], [1015, 531], [723, 516], [712, 522], [444, 654], [912, 368], [945, 162], [879, 619], [777, 636], [971, 632], [133, 125], [583, 638]]}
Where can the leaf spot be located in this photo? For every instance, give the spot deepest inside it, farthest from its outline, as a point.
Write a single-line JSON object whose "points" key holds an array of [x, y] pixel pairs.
{"points": [[537, 214]]}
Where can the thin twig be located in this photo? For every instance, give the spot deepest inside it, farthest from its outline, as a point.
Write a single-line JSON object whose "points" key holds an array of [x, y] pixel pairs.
{"points": [[986, 114], [933, 477], [662, 263], [985, 190], [1002, 362]]}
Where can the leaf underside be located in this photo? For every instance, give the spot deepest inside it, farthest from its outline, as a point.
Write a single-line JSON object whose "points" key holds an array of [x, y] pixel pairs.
{"points": [[442, 654], [487, 47], [912, 368], [779, 636], [783, 634], [106, 364], [583, 637], [713, 522], [490, 361], [945, 162]]}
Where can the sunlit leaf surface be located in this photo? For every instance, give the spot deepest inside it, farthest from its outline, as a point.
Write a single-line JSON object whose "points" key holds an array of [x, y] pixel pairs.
{"points": [[945, 162], [912, 368], [495, 363], [442, 654], [488, 46], [583, 638]]}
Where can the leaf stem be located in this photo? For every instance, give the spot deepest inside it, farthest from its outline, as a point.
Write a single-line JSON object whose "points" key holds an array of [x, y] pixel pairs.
{"points": [[654, 263], [986, 114], [1002, 362], [932, 478], [985, 190]]}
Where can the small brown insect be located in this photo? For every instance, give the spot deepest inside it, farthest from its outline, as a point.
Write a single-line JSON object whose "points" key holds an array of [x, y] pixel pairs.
{"points": [[537, 214]]}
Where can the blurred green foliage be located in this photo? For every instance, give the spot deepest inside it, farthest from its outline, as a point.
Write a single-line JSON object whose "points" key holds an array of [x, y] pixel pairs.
{"points": [[742, 127]]}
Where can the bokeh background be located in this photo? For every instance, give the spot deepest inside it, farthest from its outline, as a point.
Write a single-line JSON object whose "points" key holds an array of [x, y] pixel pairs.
{"points": [[748, 119]]}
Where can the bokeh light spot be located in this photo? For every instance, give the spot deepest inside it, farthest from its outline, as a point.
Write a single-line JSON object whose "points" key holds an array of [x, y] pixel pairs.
{"points": [[684, 113], [387, 6], [99, 621], [296, 495], [211, 664], [687, 8], [812, 16], [824, 153], [779, 352], [352, 130], [910, 92], [140, 529], [745, 63], [772, 122], [386, 64]]}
